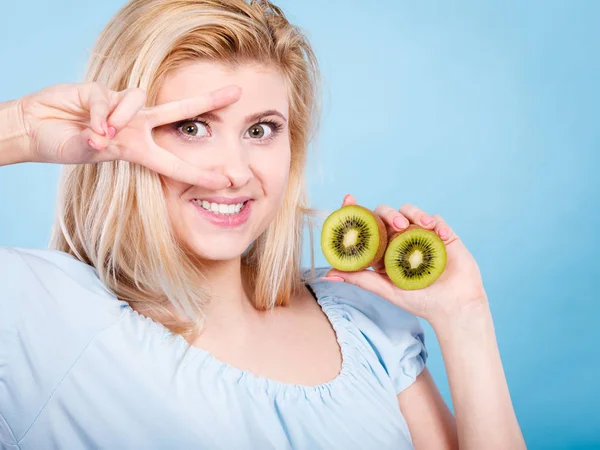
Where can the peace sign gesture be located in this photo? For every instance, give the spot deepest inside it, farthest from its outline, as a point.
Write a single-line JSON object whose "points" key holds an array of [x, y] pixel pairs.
{"points": [[81, 123]]}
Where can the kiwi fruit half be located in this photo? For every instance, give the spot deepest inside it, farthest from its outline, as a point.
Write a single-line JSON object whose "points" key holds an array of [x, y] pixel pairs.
{"points": [[353, 238], [415, 258]]}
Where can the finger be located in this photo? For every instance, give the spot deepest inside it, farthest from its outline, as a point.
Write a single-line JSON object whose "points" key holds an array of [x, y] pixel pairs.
{"points": [[443, 230], [417, 216], [79, 141], [129, 102], [94, 140], [99, 108], [365, 279], [392, 218], [379, 266], [349, 200], [169, 165], [188, 108]]}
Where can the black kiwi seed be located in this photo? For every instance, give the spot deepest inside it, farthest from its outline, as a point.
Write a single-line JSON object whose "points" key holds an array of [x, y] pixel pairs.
{"points": [[353, 238], [341, 230], [415, 258]]}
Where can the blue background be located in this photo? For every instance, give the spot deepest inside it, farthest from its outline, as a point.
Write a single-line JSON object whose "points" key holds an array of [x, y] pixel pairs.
{"points": [[484, 112]]}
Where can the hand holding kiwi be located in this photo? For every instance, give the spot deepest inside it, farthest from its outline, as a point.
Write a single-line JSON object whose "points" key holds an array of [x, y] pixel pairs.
{"points": [[419, 263], [354, 238]]}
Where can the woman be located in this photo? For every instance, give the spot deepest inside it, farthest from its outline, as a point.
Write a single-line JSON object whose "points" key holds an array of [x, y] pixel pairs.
{"points": [[171, 310]]}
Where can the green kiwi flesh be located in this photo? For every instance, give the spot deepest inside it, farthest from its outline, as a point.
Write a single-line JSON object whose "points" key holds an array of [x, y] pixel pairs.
{"points": [[415, 258], [353, 238]]}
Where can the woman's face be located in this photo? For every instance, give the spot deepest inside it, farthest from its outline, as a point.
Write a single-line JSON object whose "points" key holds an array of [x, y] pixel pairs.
{"points": [[248, 141]]}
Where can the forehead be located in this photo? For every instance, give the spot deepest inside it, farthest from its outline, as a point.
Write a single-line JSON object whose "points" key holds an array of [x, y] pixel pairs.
{"points": [[263, 87]]}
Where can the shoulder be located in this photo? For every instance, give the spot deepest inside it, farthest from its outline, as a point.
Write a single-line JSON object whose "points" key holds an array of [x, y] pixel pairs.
{"points": [[47, 266], [51, 307], [50, 286], [395, 335], [362, 305]]}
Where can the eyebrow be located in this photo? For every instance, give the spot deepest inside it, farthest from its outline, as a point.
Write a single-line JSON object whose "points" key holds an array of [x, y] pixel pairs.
{"points": [[213, 117]]}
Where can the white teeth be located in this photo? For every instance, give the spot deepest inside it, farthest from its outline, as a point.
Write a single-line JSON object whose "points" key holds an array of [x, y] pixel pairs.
{"points": [[220, 208]]}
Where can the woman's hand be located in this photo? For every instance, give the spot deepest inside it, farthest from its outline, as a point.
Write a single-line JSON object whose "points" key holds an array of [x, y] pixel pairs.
{"points": [[460, 285], [81, 123], [456, 307]]}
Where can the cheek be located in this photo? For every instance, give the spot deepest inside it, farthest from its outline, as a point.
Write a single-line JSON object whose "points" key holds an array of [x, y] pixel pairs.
{"points": [[171, 190], [172, 193], [273, 169]]}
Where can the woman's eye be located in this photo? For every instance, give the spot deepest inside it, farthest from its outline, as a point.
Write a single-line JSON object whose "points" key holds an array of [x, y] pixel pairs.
{"points": [[193, 128], [260, 131]]}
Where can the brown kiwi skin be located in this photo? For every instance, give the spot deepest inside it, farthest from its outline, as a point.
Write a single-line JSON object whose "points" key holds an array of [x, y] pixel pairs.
{"points": [[412, 226], [383, 240]]}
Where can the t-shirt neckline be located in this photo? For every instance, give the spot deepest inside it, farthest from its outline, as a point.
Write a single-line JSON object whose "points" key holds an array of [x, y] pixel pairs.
{"points": [[198, 355]]}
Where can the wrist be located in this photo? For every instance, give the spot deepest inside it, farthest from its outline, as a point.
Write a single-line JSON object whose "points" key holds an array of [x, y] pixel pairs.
{"points": [[14, 139], [470, 314]]}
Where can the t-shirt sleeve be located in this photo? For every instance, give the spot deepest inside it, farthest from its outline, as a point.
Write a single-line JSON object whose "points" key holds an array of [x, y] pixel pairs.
{"points": [[51, 306], [396, 336]]}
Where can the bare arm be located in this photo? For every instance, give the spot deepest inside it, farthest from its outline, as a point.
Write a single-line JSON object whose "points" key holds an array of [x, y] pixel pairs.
{"points": [[431, 423], [457, 308], [484, 413], [13, 136]]}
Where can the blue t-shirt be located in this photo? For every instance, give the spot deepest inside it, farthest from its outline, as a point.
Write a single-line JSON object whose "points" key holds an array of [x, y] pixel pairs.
{"points": [[81, 369]]}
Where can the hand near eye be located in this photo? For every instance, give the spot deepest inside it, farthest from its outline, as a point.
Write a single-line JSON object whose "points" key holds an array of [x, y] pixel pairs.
{"points": [[459, 286], [82, 123]]}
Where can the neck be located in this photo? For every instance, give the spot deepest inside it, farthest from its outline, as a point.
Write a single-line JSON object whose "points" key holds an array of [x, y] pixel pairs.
{"points": [[230, 294]]}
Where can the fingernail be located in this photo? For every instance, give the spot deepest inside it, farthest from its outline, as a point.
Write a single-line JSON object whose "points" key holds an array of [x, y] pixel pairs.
{"points": [[400, 222], [105, 128], [426, 220], [111, 132], [443, 232], [337, 279], [91, 144], [346, 198]]}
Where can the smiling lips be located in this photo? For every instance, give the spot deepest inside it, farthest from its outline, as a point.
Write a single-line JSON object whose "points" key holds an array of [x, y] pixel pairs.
{"points": [[220, 208], [223, 211]]}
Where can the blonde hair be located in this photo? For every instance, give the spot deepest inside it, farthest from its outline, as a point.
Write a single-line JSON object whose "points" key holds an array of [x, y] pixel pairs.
{"points": [[113, 215]]}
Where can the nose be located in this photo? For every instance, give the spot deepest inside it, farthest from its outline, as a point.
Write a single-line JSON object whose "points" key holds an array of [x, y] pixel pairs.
{"points": [[236, 164]]}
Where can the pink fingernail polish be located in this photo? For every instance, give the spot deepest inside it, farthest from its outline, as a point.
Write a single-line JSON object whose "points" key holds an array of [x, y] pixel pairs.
{"points": [[93, 145], [346, 198], [111, 132], [400, 222], [336, 279], [426, 220]]}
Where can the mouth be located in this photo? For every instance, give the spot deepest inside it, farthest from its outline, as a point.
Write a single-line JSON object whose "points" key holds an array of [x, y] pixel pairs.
{"points": [[224, 209], [224, 212]]}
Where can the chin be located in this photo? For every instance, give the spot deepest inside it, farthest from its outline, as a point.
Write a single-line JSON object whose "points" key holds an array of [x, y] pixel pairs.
{"points": [[215, 236], [215, 248]]}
